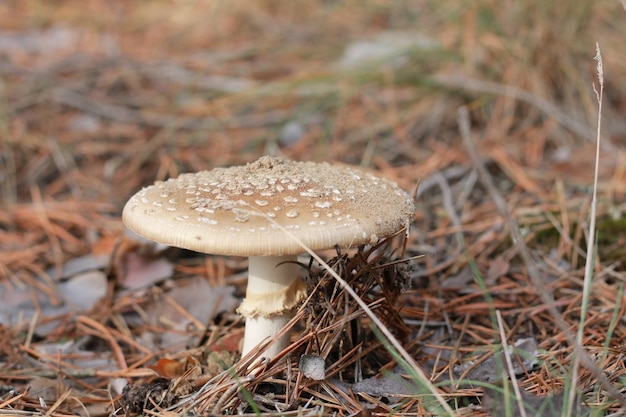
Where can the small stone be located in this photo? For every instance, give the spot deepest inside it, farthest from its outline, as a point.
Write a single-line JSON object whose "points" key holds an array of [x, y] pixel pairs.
{"points": [[291, 133], [313, 366]]}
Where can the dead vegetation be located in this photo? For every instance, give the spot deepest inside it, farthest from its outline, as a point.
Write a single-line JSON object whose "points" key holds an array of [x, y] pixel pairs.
{"points": [[98, 101]]}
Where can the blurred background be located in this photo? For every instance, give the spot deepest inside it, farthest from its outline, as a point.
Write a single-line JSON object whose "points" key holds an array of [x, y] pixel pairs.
{"points": [[101, 97]]}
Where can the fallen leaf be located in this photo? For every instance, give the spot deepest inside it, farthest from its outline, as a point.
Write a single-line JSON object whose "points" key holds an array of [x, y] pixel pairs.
{"points": [[499, 401], [492, 370], [461, 280], [388, 385], [217, 362], [77, 294], [48, 390], [231, 342], [198, 299], [168, 368], [498, 267], [84, 290], [142, 272], [79, 265]]}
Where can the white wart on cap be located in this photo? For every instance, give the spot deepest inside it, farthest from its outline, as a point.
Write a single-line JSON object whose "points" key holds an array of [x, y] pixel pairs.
{"points": [[242, 210]]}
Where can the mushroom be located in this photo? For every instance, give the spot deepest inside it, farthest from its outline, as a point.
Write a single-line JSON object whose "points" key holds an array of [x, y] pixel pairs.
{"points": [[247, 210]]}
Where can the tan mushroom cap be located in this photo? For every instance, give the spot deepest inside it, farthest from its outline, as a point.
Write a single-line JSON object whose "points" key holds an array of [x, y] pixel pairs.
{"points": [[240, 210]]}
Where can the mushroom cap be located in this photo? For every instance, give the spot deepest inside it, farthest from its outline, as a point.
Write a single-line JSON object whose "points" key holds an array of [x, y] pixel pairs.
{"points": [[242, 210]]}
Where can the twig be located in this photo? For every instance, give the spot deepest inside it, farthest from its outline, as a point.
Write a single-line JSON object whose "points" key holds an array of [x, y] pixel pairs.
{"points": [[58, 402], [98, 329], [228, 394], [509, 365]]}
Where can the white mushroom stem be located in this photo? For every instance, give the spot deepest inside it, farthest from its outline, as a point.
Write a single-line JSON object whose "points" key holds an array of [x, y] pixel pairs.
{"points": [[274, 290]]}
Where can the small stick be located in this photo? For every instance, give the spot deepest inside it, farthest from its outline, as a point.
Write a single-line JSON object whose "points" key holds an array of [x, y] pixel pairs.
{"points": [[509, 365]]}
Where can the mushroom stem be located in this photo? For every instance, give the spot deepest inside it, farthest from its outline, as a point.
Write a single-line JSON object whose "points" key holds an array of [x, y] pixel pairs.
{"points": [[274, 290], [260, 328]]}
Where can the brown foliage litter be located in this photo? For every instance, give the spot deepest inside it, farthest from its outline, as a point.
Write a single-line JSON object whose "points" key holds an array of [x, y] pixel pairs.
{"points": [[100, 99]]}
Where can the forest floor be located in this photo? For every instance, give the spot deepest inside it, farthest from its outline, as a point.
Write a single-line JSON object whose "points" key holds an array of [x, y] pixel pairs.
{"points": [[491, 108]]}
